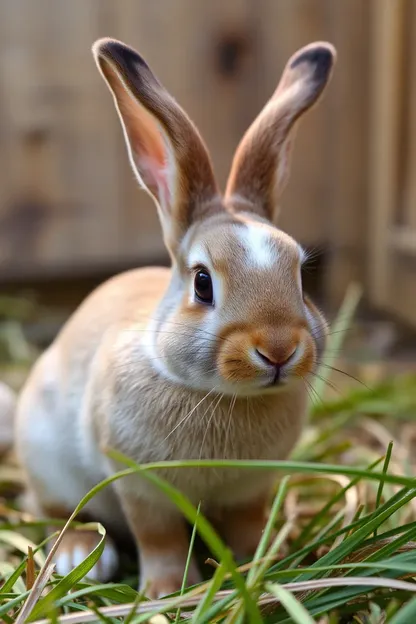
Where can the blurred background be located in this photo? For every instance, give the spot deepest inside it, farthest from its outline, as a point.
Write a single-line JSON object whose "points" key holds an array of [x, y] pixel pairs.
{"points": [[71, 213]]}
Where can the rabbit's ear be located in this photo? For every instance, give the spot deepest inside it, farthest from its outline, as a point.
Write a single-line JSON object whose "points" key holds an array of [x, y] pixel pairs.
{"points": [[166, 152], [261, 163]]}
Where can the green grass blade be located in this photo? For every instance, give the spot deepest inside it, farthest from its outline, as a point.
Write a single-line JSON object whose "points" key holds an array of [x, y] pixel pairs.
{"points": [[288, 467], [299, 555], [351, 542], [188, 560], [115, 592], [381, 484], [208, 598], [6, 571], [70, 580], [12, 604], [406, 615], [23, 544], [267, 533], [326, 508]]}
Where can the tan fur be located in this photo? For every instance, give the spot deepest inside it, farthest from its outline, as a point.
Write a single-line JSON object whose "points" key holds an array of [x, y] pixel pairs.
{"points": [[242, 526], [160, 543], [146, 368]]}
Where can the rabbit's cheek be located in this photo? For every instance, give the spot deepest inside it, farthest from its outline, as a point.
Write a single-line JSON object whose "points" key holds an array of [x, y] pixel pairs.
{"points": [[304, 364], [234, 362], [318, 327]]}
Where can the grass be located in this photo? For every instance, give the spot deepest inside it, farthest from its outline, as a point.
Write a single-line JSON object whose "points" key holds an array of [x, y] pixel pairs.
{"points": [[343, 516]]}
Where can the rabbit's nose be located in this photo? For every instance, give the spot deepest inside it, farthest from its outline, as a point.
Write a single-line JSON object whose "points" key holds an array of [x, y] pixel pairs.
{"points": [[274, 360], [271, 361]]}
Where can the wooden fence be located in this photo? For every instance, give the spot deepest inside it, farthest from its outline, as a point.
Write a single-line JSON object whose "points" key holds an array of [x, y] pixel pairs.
{"points": [[68, 201]]}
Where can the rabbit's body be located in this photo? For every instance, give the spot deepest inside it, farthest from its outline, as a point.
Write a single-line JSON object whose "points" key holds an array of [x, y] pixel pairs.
{"points": [[107, 350], [208, 360]]}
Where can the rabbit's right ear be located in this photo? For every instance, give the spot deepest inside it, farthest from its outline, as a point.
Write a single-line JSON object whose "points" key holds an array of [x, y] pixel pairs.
{"points": [[164, 147], [261, 163]]}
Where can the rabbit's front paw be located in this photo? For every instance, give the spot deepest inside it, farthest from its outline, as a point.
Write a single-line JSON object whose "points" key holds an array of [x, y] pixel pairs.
{"points": [[76, 546], [160, 578]]}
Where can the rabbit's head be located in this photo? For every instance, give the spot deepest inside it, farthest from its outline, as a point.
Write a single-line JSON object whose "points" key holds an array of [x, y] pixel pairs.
{"points": [[234, 317]]}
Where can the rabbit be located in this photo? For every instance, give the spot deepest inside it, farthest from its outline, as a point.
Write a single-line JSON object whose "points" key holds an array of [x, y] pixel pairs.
{"points": [[207, 359]]}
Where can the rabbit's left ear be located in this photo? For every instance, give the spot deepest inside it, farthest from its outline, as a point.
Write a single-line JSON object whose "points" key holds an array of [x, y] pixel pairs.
{"points": [[166, 151], [260, 167]]}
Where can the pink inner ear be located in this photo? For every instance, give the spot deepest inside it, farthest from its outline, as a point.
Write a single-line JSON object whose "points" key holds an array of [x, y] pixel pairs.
{"points": [[149, 151], [154, 175], [146, 141]]}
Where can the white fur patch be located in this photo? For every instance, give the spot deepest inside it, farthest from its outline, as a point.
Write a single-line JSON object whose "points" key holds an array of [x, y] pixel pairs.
{"points": [[296, 356], [198, 256], [149, 345], [258, 241], [107, 565], [67, 560], [63, 563]]}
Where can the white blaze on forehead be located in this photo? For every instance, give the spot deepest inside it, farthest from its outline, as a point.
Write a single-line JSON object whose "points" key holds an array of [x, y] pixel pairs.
{"points": [[198, 256], [260, 244]]}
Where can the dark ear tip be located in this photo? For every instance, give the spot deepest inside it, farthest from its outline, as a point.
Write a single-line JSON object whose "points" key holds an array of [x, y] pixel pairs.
{"points": [[322, 56], [109, 48], [102, 46]]}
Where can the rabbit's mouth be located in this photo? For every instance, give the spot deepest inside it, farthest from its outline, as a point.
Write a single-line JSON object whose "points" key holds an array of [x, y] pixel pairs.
{"points": [[253, 364], [278, 379]]}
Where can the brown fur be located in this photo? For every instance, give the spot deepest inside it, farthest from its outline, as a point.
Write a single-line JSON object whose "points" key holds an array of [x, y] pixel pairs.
{"points": [[242, 526]]}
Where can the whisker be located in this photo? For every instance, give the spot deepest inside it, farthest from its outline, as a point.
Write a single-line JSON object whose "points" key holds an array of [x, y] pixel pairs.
{"points": [[230, 412], [338, 370], [209, 421], [330, 333], [312, 254], [160, 357], [314, 393], [310, 395], [185, 418], [198, 329], [329, 383], [178, 323], [190, 334]]}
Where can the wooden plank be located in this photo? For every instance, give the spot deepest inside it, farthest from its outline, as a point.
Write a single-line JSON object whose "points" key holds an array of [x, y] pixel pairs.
{"points": [[401, 288], [388, 20], [61, 146], [346, 208], [88, 139], [409, 216], [28, 119], [61, 207]]}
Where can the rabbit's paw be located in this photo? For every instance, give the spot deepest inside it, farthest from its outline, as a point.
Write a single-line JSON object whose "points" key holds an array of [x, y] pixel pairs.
{"points": [[76, 546]]}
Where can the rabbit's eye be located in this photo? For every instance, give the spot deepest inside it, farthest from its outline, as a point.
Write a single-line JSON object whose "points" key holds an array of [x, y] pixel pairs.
{"points": [[203, 286]]}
